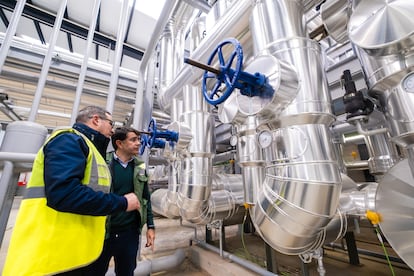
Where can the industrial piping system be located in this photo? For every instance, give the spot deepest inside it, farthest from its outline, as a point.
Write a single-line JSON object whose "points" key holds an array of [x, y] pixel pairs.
{"points": [[284, 145], [252, 64]]}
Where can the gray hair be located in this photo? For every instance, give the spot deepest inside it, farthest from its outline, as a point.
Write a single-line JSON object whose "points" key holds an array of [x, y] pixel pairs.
{"points": [[86, 113]]}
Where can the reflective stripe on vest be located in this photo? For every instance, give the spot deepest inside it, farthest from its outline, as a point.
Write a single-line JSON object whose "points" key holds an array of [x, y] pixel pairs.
{"points": [[95, 178]]}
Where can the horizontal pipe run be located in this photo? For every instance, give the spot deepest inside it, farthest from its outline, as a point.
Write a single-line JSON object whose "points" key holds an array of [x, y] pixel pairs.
{"points": [[240, 261], [17, 157]]}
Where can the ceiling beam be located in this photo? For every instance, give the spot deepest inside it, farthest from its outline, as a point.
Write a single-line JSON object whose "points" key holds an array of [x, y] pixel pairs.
{"points": [[4, 18], [69, 26], [98, 23], [131, 14], [38, 28], [39, 32], [70, 45]]}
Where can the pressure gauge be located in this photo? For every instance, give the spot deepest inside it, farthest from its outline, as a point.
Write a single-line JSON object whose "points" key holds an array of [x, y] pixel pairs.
{"points": [[408, 83], [233, 140], [265, 138]]}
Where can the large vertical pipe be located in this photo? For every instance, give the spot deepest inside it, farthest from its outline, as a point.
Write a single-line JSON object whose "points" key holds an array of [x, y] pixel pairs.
{"points": [[301, 190], [167, 58], [138, 121], [11, 30], [195, 179], [123, 19], [46, 62], [250, 158], [196, 174], [171, 48], [84, 67]]}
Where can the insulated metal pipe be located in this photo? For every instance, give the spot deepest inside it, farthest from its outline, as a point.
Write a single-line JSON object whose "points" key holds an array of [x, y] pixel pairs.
{"points": [[223, 203], [194, 179], [138, 121], [300, 193]]}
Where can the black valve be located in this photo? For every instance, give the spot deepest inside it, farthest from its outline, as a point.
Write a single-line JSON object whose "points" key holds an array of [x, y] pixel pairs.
{"points": [[355, 102]]}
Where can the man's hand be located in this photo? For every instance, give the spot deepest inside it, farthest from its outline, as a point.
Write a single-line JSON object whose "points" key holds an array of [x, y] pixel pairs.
{"points": [[150, 238], [133, 202]]}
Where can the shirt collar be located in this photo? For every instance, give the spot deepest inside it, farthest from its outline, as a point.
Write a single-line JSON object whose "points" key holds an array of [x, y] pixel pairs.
{"points": [[123, 164]]}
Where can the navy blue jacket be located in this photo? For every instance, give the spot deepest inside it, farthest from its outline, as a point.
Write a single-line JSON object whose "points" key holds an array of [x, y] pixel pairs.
{"points": [[65, 163]]}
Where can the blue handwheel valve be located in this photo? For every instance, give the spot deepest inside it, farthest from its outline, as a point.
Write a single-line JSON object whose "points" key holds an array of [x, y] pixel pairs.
{"points": [[230, 75]]}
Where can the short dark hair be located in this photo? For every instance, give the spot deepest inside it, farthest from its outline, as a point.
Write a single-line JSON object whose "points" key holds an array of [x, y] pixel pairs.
{"points": [[121, 133], [87, 112]]}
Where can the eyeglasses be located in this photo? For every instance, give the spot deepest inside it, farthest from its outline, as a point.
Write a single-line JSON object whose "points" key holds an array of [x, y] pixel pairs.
{"points": [[112, 123]]}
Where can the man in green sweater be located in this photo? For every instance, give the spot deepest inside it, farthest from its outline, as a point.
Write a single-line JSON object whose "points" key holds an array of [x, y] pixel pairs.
{"points": [[123, 229]]}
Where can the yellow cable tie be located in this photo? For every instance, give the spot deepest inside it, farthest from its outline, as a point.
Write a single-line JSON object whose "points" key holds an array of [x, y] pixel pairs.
{"points": [[374, 217], [247, 205]]}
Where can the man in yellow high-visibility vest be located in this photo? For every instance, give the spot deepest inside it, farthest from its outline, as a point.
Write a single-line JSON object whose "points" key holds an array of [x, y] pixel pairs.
{"points": [[60, 227]]}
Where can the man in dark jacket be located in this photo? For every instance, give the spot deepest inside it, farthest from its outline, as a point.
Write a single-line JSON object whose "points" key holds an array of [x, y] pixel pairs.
{"points": [[60, 227], [123, 229], [67, 153]]}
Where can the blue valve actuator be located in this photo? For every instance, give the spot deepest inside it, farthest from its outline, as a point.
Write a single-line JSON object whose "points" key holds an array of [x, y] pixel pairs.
{"points": [[158, 143], [229, 75]]}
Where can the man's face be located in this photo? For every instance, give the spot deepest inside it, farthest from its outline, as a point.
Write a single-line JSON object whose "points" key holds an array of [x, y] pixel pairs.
{"points": [[105, 126], [130, 146]]}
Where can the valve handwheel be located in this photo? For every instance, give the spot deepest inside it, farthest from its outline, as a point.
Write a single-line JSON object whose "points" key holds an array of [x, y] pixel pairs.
{"points": [[144, 143], [227, 74]]}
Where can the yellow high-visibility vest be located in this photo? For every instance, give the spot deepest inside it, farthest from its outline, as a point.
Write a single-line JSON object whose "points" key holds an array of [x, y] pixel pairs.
{"points": [[45, 241]]}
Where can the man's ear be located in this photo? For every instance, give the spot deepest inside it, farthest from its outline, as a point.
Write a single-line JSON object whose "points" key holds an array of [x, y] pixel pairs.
{"points": [[118, 143], [95, 120]]}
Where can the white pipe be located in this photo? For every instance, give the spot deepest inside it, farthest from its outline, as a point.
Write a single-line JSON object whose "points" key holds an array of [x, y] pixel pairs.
{"points": [[357, 165], [118, 54], [11, 30], [17, 157], [20, 45], [84, 66], [46, 62], [369, 132]]}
